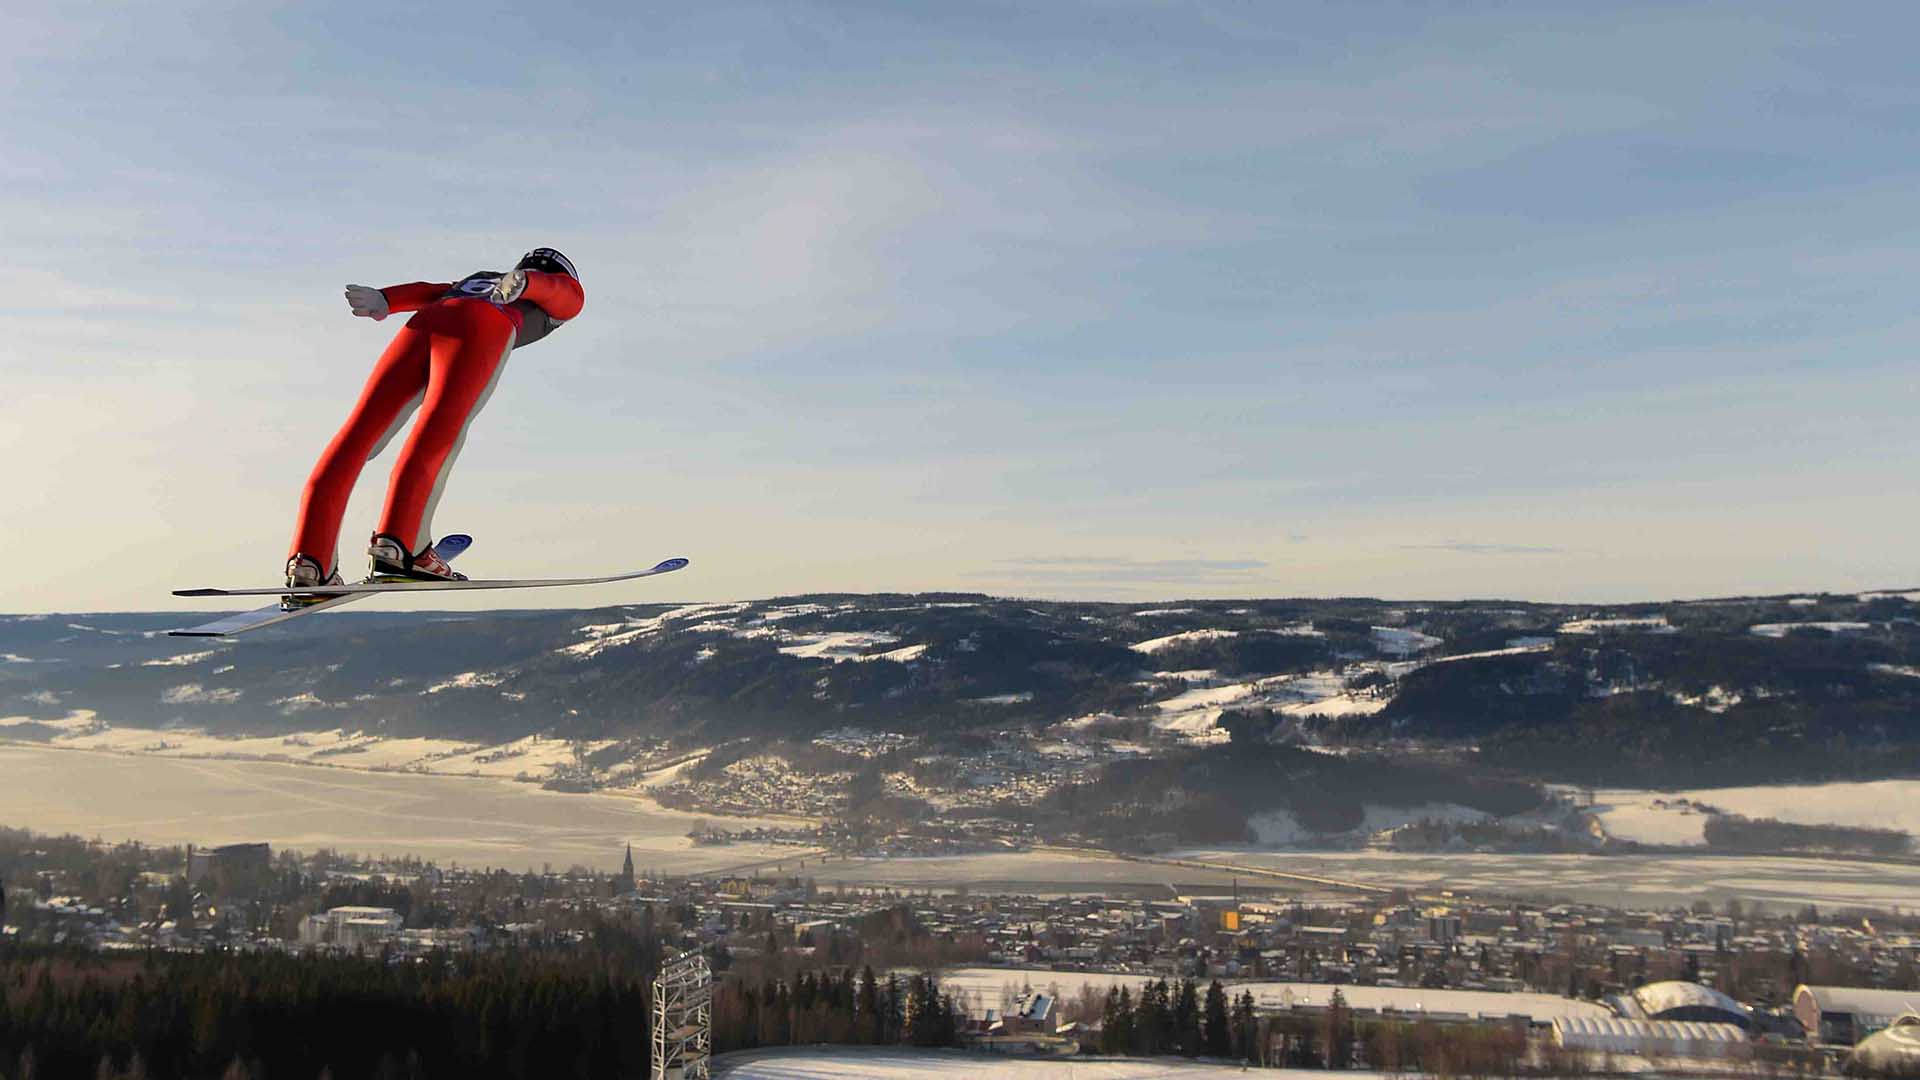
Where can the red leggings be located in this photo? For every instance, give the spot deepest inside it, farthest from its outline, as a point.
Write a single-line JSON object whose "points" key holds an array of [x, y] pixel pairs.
{"points": [[445, 360]]}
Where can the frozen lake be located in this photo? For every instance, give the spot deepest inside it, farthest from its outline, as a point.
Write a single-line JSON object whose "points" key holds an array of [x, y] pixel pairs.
{"points": [[474, 821], [1622, 880], [489, 821]]}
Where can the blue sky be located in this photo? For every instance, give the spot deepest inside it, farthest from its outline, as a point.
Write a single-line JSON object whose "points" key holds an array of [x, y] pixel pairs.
{"points": [[1115, 300]]}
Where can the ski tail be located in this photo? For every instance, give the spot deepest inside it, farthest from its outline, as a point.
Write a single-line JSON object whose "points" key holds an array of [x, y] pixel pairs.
{"points": [[665, 566], [260, 618]]}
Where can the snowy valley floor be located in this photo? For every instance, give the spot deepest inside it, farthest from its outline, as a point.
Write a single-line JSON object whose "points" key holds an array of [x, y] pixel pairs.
{"points": [[1674, 817], [475, 821], [485, 821], [888, 1063]]}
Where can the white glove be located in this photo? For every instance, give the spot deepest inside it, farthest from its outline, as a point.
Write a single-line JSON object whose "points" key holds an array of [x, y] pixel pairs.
{"points": [[509, 287], [368, 303]]}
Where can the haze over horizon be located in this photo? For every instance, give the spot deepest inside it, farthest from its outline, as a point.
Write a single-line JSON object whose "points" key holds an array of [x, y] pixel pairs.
{"points": [[477, 604], [1104, 301]]}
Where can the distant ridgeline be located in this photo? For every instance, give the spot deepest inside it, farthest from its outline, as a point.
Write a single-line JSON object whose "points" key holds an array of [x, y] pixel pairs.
{"points": [[1697, 693]]}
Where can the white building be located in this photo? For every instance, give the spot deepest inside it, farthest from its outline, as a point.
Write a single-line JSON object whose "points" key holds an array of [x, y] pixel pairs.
{"points": [[1844, 1015], [1650, 1038], [352, 927], [1678, 999], [1893, 1050]]}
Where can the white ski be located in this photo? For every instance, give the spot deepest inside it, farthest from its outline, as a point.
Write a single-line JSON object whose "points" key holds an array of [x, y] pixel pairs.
{"points": [[366, 587], [449, 548], [261, 617]]}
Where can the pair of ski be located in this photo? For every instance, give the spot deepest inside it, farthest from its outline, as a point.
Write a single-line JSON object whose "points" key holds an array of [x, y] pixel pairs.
{"points": [[336, 595]]}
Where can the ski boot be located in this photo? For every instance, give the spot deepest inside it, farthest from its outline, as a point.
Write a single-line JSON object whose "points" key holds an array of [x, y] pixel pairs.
{"points": [[305, 571], [390, 561]]}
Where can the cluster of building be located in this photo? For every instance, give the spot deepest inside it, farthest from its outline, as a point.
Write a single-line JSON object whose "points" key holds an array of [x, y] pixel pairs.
{"points": [[1581, 977], [1603, 981], [1018, 768]]}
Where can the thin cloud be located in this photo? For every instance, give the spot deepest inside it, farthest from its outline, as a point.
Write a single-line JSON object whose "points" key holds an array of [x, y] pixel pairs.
{"points": [[1097, 568], [1466, 547]]}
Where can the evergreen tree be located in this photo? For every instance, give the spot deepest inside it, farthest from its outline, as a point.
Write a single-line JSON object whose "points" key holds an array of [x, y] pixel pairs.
{"points": [[178, 905], [867, 1012], [926, 1023], [1338, 1032], [1123, 1036], [1152, 1020], [949, 1029], [1109, 1010], [893, 1025], [1218, 1039], [750, 1020], [1186, 1019], [1165, 1036], [1140, 1031], [1245, 1027]]}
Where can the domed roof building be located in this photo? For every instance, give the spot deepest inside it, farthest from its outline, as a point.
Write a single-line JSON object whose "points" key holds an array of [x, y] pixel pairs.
{"points": [[1680, 1000], [1663, 1038], [1892, 1051], [1845, 1015]]}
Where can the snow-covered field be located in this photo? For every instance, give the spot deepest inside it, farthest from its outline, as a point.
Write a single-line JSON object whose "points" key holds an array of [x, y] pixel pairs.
{"points": [[1623, 880], [1669, 817], [604, 636], [1651, 624], [835, 645], [1778, 630], [1154, 645], [984, 988], [1160, 644], [1278, 827], [1398, 641], [890, 1063], [1195, 711], [531, 757], [1518, 647], [490, 821], [482, 821]]}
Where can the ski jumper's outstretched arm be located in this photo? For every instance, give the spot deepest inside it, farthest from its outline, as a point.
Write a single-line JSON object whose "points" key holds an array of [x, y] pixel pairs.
{"points": [[414, 295], [559, 295]]}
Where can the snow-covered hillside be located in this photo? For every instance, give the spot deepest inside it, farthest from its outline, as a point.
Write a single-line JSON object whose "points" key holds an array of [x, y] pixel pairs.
{"points": [[996, 699], [1680, 817]]}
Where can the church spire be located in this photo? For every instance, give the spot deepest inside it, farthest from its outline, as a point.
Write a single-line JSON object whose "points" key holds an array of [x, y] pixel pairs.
{"points": [[624, 883]]}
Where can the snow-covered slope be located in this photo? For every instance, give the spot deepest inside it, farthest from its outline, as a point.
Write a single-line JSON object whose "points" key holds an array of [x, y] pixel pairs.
{"points": [[1828, 670]]}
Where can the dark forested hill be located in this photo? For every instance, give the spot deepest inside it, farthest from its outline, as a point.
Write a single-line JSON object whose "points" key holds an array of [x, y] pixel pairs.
{"points": [[1753, 688]]}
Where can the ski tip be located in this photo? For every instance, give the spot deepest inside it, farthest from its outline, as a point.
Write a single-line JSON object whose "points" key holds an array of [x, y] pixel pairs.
{"points": [[195, 633], [199, 592], [669, 565]]}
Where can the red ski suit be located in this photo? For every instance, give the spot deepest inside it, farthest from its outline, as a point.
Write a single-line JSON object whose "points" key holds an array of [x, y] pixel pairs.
{"points": [[445, 361]]}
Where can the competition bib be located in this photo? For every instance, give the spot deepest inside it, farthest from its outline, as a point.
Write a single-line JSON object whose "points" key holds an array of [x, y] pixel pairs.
{"points": [[478, 284]]}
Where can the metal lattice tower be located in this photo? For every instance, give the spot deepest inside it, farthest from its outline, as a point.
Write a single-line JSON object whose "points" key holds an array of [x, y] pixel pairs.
{"points": [[683, 1018]]}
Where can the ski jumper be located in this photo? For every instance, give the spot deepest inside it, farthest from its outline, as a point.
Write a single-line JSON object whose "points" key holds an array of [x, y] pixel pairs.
{"points": [[444, 362]]}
